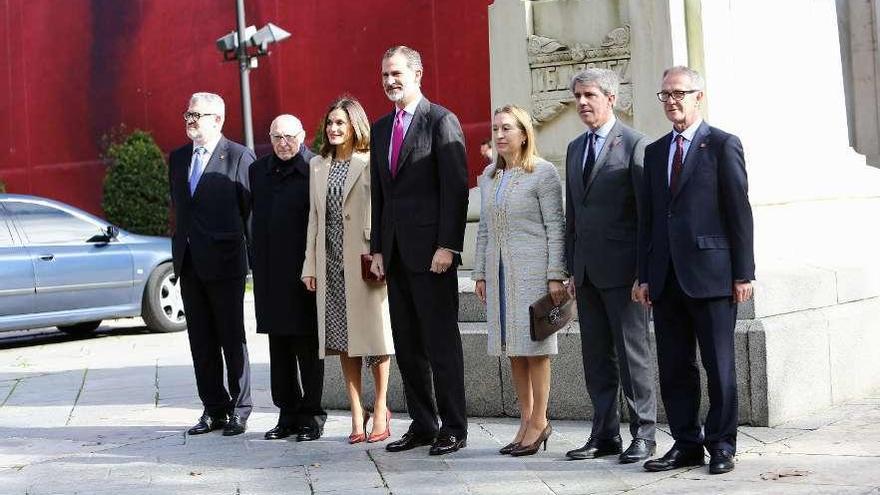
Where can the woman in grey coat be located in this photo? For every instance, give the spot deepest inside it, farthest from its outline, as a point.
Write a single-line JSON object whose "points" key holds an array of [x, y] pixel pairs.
{"points": [[520, 258]]}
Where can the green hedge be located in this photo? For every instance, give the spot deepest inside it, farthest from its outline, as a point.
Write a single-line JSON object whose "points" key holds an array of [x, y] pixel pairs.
{"points": [[136, 185]]}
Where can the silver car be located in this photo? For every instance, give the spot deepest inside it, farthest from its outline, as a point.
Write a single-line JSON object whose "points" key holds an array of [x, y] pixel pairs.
{"points": [[60, 266]]}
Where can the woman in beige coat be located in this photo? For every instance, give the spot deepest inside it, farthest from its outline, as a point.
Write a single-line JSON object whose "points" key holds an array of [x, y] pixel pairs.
{"points": [[352, 313]]}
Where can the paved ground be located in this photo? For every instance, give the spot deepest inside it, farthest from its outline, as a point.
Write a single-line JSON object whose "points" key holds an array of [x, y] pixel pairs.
{"points": [[106, 415]]}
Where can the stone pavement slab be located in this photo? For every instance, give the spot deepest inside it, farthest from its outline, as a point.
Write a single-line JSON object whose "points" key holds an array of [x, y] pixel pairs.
{"points": [[107, 415]]}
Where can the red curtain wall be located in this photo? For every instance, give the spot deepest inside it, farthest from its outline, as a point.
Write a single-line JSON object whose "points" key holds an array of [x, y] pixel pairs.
{"points": [[75, 69]]}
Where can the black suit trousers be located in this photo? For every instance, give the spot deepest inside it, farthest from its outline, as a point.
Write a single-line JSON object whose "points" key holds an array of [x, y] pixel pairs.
{"points": [[681, 323], [617, 355], [427, 342], [215, 324], [297, 380]]}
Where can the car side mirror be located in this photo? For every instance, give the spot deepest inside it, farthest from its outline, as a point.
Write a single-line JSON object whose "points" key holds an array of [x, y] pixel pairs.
{"points": [[110, 233]]}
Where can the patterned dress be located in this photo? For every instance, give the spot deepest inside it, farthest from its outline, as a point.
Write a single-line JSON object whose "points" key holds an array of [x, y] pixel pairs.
{"points": [[336, 320]]}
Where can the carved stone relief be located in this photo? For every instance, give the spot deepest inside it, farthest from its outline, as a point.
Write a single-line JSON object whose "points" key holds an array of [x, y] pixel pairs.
{"points": [[554, 64]]}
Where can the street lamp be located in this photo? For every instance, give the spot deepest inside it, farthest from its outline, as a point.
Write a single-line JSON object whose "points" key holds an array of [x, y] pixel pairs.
{"points": [[256, 44]]}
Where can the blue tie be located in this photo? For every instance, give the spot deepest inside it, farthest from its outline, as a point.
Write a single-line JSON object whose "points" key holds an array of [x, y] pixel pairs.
{"points": [[196, 170]]}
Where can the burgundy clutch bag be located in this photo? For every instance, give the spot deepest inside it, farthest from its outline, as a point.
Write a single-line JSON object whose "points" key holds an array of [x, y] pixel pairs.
{"points": [[366, 274]]}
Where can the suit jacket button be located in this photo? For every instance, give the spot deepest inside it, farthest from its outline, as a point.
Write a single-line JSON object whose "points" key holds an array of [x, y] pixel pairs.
{"points": [[348, 217], [668, 214]]}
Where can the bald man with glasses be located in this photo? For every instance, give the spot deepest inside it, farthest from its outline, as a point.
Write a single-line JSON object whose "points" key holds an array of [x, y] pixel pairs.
{"points": [[285, 310]]}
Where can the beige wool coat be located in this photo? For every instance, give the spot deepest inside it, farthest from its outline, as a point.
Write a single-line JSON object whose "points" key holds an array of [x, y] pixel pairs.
{"points": [[369, 330]]}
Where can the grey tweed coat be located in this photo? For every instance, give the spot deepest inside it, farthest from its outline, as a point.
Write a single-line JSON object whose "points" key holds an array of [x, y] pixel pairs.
{"points": [[525, 231]]}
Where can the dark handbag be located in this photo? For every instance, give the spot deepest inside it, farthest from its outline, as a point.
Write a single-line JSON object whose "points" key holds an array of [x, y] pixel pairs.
{"points": [[545, 318], [366, 274]]}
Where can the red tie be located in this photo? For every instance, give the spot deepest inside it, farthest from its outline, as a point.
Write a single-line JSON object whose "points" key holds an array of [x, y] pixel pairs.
{"points": [[677, 164], [396, 141]]}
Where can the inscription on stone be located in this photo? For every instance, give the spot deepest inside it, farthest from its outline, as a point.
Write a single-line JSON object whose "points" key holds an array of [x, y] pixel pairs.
{"points": [[554, 64]]}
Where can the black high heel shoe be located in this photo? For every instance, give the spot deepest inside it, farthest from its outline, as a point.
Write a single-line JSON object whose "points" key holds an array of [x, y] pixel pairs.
{"points": [[509, 448], [533, 448]]}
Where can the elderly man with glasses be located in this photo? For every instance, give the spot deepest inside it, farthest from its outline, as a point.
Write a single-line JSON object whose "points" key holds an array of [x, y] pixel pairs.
{"points": [[211, 200], [696, 263], [285, 310]]}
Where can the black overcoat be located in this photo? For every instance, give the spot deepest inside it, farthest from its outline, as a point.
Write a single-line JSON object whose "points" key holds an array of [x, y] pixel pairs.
{"points": [[280, 192]]}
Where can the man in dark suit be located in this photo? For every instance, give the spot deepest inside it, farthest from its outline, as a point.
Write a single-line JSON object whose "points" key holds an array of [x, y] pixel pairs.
{"points": [[696, 263], [603, 198], [419, 177], [211, 199], [284, 308]]}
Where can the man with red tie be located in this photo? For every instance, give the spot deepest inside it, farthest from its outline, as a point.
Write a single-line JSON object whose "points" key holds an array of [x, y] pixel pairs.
{"points": [[696, 263], [419, 201]]}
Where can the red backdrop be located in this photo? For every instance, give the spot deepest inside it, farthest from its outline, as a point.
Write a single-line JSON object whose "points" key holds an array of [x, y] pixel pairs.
{"points": [[75, 69]]}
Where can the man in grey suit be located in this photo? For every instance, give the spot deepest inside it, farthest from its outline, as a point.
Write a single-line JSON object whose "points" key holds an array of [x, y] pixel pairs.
{"points": [[603, 198]]}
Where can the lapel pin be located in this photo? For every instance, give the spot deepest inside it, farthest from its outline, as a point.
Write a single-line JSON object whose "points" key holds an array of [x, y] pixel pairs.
{"points": [[222, 157], [702, 145]]}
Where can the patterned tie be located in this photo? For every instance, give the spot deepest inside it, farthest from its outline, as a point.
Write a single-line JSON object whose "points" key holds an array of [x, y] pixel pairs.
{"points": [[396, 141], [591, 158], [195, 172], [677, 164]]}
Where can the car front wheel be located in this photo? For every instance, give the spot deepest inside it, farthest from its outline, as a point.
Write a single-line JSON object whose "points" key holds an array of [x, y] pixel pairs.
{"points": [[162, 305]]}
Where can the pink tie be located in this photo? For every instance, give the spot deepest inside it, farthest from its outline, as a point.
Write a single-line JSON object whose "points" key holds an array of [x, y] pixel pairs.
{"points": [[396, 141]]}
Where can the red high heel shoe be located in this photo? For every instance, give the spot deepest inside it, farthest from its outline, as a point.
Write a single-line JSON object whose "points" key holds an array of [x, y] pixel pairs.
{"points": [[360, 437], [378, 437]]}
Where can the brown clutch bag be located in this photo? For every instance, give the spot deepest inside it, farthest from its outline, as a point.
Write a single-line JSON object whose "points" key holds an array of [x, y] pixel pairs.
{"points": [[545, 318], [366, 274]]}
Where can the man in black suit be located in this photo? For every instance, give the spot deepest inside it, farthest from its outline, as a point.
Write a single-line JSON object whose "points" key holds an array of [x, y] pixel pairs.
{"points": [[696, 263], [284, 308], [211, 199], [603, 197], [419, 177]]}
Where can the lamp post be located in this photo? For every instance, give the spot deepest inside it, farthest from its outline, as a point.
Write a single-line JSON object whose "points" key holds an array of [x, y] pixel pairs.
{"points": [[254, 43]]}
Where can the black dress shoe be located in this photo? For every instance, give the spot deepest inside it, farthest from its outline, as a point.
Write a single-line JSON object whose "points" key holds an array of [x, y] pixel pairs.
{"points": [[409, 441], [639, 450], [309, 433], [447, 444], [280, 431], [676, 458], [596, 447], [720, 462], [235, 426], [206, 424]]}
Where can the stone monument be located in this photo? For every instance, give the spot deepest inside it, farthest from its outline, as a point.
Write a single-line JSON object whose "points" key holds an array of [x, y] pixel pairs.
{"points": [[775, 78]]}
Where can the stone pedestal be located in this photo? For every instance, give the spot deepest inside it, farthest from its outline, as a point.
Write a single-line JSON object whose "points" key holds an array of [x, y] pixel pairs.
{"points": [[774, 77]]}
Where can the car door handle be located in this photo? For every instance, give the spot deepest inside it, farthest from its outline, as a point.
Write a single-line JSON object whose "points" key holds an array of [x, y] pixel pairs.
{"points": [[47, 257]]}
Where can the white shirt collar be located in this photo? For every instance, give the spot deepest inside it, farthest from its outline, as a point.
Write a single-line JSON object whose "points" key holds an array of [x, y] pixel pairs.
{"points": [[411, 108], [210, 146], [688, 133], [605, 129]]}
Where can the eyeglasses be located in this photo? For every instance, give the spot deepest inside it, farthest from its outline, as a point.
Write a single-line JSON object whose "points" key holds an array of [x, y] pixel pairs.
{"points": [[277, 138], [194, 116], [676, 95]]}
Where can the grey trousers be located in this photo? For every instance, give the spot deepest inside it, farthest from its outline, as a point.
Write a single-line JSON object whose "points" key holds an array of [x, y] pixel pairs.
{"points": [[616, 354]]}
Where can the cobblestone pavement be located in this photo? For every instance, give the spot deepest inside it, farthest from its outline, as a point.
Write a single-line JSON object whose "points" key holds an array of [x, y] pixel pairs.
{"points": [[106, 415]]}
